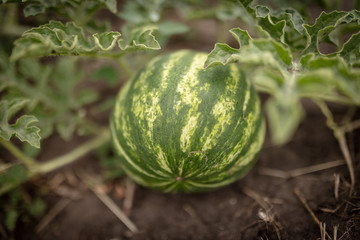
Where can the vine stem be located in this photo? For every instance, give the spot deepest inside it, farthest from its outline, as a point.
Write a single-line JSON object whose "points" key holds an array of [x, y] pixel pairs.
{"points": [[339, 134], [35, 168], [65, 159], [27, 161]]}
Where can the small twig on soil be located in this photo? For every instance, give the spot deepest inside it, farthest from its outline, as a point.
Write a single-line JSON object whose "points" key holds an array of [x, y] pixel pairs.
{"points": [[55, 181], [336, 186], [189, 210], [312, 214], [336, 227], [255, 196], [129, 195], [46, 220], [323, 230], [300, 171], [104, 198], [116, 210], [327, 210], [346, 233], [67, 192], [71, 179]]}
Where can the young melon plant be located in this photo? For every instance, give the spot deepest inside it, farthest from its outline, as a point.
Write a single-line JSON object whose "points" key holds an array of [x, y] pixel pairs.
{"points": [[184, 121]]}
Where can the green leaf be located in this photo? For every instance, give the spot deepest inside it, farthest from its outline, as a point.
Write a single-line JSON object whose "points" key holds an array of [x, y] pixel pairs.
{"points": [[58, 39], [37, 207], [293, 19], [284, 25], [324, 25], [351, 49], [230, 10], [265, 52], [139, 39], [68, 7], [242, 36], [246, 4], [329, 78], [168, 28], [111, 5], [11, 219], [55, 38], [25, 132], [34, 9], [22, 128], [133, 13], [56, 101], [139, 11], [86, 96], [275, 30], [221, 54], [66, 127]]}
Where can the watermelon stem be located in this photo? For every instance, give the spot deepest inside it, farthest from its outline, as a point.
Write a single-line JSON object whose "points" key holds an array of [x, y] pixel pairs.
{"points": [[70, 157], [339, 133], [27, 161], [35, 168]]}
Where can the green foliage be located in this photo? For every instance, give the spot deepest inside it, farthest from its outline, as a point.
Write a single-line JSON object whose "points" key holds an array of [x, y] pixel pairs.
{"points": [[140, 14], [58, 39], [17, 208], [67, 7], [107, 73], [12, 175], [50, 94], [286, 61], [140, 11], [22, 128]]}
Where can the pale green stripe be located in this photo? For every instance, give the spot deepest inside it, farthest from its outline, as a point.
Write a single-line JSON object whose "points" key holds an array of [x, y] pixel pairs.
{"points": [[168, 66], [162, 159], [223, 110], [189, 96], [254, 148], [211, 185], [128, 159]]}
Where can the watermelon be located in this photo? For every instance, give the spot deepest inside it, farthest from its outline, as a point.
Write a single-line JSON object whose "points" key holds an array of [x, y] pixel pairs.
{"points": [[178, 127]]}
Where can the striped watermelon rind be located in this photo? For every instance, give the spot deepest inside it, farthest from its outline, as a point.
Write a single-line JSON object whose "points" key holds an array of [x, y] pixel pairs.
{"points": [[178, 127]]}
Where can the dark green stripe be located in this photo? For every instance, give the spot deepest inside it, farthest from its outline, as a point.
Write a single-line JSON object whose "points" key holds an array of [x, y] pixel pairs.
{"points": [[169, 128]]}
